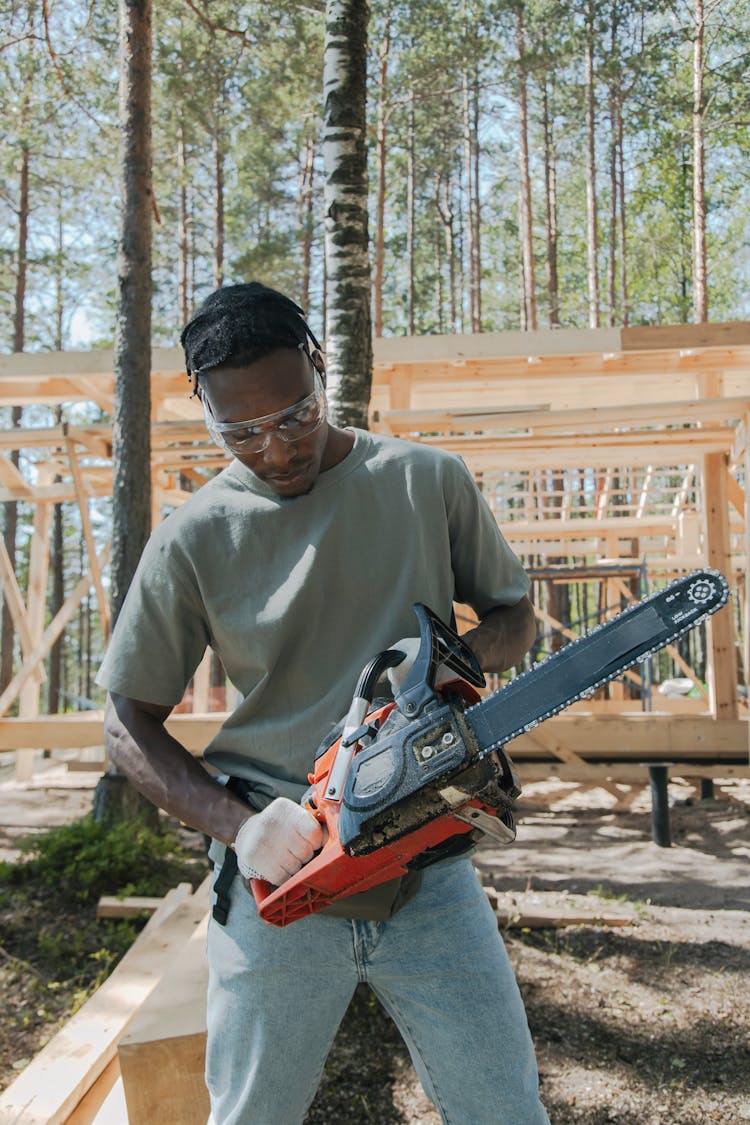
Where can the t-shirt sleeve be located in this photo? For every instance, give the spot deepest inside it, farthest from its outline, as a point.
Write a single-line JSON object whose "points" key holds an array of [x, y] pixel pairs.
{"points": [[161, 632], [487, 572]]}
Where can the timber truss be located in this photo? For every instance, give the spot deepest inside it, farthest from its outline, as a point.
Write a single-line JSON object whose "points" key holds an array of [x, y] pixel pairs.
{"points": [[613, 448]]}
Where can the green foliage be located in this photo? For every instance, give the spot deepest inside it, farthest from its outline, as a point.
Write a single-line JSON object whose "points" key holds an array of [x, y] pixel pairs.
{"points": [[48, 926], [85, 860]]}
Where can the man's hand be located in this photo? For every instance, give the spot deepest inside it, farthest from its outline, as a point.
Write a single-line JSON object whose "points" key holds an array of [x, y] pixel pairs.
{"points": [[275, 843], [397, 675]]}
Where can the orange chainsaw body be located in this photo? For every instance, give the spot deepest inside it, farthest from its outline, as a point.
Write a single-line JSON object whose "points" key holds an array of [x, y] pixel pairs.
{"points": [[333, 874]]}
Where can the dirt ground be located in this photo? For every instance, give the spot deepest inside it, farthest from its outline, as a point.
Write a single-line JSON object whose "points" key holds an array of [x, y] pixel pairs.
{"points": [[642, 1024]]}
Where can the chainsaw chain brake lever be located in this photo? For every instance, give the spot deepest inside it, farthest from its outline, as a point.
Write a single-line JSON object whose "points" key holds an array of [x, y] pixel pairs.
{"points": [[438, 644]]}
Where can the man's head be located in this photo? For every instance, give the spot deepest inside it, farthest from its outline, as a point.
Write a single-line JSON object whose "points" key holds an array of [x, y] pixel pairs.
{"points": [[248, 353]]}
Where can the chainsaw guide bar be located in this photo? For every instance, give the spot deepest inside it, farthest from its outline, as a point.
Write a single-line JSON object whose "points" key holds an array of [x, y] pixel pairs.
{"points": [[425, 777]]}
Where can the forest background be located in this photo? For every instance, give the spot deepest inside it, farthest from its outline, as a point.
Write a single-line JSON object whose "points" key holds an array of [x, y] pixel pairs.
{"points": [[531, 164]]}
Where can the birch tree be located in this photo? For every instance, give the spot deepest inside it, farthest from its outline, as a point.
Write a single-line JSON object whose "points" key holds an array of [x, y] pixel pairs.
{"points": [[348, 335]]}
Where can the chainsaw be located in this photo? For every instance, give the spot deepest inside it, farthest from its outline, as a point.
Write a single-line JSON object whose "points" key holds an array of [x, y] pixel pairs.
{"points": [[402, 784]]}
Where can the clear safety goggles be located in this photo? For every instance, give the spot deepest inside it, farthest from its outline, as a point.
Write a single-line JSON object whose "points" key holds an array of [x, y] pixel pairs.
{"points": [[253, 436]]}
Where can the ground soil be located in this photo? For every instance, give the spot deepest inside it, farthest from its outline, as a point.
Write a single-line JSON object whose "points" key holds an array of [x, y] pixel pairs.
{"points": [[642, 1024]]}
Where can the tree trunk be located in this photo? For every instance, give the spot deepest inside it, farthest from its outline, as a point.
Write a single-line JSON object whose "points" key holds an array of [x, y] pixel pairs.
{"points": [[307, 171], [410, 214], [624, 311], [471, 164], [614, 96], [348, 320], [10, 523], [381, 149], [550, 196], [218, 145], [592, 235], [182, 226], [445, 211], [131, 456], [700, 280], [525, 213]]}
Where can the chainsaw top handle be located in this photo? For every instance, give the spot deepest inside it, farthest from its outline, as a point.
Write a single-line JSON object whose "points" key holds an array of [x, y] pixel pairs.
{"points": [[438, 644]]}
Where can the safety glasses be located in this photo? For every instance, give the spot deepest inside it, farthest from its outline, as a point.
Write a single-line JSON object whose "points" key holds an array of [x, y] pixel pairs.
{"points": [[253, 436]]}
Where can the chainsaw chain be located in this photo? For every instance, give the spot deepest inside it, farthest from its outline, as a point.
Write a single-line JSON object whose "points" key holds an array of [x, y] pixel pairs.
{"points": [[526, 727]]}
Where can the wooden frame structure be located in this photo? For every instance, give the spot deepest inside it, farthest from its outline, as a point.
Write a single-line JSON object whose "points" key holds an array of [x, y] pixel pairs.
{"points": [[612, 445]]}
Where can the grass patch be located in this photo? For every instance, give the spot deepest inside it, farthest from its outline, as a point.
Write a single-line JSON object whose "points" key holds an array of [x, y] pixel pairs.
{"points": [[53, 951]]}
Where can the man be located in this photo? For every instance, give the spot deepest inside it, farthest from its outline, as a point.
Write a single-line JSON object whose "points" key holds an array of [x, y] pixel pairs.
{"points": [[296, 564]]}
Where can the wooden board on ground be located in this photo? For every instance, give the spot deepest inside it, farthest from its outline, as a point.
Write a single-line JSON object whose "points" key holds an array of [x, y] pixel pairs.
{"points": [[56, 1080], [109, 906], [162, 1054], [536, 916]]}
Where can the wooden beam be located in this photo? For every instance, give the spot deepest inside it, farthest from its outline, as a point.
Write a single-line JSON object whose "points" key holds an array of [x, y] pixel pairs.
{"points": [[88, 535], [641, 738], [162, 1052], [722, 671], [36, 606], [16, 607], [48, 638]]}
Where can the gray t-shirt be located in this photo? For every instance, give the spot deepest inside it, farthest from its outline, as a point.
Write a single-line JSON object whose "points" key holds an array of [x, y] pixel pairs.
{"points": [[297, 595]]}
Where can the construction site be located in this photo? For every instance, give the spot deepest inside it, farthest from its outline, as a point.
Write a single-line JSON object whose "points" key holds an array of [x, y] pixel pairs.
{"points": [[614, 460]]}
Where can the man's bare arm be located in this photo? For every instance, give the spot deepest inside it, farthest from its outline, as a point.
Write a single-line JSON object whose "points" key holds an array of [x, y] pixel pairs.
{"points": [[165, 772], [503, 636]]}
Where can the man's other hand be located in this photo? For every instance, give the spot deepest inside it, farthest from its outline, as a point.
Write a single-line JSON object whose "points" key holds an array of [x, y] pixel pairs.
{"points": [[275, 843], [410, 647]]}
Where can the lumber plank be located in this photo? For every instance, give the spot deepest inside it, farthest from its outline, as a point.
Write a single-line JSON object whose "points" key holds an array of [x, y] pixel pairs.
{"points": [[57, 1078], [109, 906], [93, 1101], [162, 1053], [511, 915]]}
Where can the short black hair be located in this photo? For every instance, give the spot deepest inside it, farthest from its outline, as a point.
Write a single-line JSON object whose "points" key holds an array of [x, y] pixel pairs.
{"points": [[241, 323]]}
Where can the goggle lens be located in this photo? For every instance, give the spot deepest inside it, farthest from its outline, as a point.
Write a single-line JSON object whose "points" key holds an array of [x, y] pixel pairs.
{"points": [[253, 436]]}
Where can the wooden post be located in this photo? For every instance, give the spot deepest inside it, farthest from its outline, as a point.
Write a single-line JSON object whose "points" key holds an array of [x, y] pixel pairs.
{"points": [[88, 535], [722, 668], [202, 684], [36, 604]]}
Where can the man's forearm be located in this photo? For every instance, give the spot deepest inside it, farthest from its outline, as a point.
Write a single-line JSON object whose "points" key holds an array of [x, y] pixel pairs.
{"points": [[160, 768], [503, 636]]}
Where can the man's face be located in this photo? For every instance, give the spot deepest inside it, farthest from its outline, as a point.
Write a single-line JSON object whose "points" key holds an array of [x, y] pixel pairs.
{"points": [[271, 384]]}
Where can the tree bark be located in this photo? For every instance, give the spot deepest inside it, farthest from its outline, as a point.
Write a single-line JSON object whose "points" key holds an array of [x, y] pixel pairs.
{"points": [[182, 226], [700, 279], [592, 234], [348, 319], [410, 214], [218, 147], [622, 221], [10, 522], [131, 430], [307, 172], [525, 213], [447, 217], [115, 798], [550, 196], [471, 164], [614, 185], [381, 148]]}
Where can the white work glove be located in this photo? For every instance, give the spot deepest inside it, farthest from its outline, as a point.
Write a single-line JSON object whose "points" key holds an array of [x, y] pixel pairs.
{"points": [[275, 843], [397, 675]]}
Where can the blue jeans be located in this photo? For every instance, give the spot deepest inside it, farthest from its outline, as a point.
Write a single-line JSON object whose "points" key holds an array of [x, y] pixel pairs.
{"points": [[277, 996]]}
